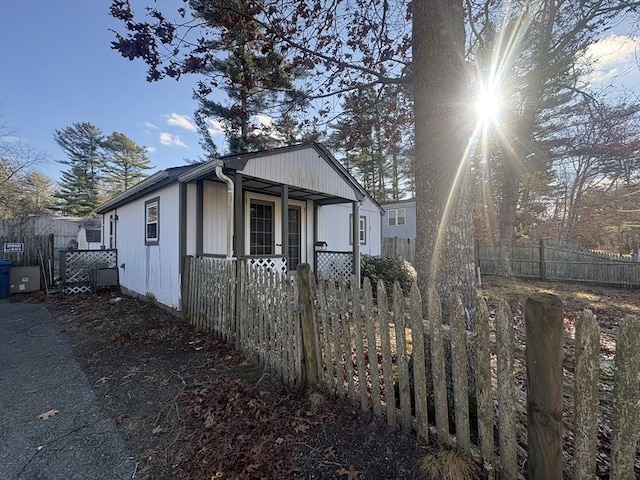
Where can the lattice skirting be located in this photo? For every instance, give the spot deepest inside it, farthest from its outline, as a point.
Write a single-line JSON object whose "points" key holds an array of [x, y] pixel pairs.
{"points": [[271, 264], [73, 289]]}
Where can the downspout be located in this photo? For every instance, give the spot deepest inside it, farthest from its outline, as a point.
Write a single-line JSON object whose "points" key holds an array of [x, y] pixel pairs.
{"points": [[218, 164]]}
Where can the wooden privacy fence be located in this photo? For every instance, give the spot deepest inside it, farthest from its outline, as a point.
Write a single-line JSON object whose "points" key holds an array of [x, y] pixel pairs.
{"points": [[36, 250], [404, 247], [556, 261], [393, 363]]}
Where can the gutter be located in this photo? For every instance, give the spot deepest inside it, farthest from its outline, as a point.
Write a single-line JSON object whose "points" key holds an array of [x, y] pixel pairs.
{"points": [[218, 164]]}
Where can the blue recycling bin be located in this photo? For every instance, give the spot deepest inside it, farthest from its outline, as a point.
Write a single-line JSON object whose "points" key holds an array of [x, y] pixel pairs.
{"points": [[5, 283]]}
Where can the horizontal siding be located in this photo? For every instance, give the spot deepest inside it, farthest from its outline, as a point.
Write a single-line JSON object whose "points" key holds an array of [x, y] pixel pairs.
{"points": [[301, 168], [150, 269], [408, 230]]}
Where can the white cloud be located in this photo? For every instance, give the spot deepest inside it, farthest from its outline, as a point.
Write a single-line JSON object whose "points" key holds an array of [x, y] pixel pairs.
{"points": [[264, 121], [182, 121], [150, 126], [169, 139], [214, 127], [150, 149], [611, 57]]}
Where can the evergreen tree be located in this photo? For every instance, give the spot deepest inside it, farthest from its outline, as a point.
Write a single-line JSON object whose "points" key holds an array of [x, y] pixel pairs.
{"points": [[80, 184], [373, 133], [255, 77], [126, 163]]}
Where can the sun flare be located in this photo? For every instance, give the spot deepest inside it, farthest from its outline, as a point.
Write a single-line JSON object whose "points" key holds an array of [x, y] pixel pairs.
{"points": [[488, 105]]}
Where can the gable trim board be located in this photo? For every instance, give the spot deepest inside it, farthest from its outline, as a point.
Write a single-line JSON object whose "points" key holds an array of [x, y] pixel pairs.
{"points": [[304, 181]]}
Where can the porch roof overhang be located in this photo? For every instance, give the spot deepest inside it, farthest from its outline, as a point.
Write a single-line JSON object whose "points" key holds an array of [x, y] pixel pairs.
{"points": [[268, 187], [350, 191]]}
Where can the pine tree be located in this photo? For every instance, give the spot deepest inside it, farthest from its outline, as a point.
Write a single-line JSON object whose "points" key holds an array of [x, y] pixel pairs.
{"points": [[126, 162], [80, 184], [255, 77]]}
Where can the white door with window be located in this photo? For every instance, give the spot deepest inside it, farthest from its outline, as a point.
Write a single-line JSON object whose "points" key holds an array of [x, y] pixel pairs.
{"points": [[263, 227]]}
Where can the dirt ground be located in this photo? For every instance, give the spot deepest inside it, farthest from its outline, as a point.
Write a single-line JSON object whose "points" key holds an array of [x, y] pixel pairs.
{"points": [[191, 407]]}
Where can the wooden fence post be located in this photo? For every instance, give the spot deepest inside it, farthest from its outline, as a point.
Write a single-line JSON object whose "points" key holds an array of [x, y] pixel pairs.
{"points": [[543, 265], [186, 279], [544, 322], [585, 397], [626, 410], [309, 328]]}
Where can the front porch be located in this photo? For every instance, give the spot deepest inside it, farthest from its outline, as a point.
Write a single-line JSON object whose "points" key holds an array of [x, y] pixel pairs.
{"points": [[271, 224]]}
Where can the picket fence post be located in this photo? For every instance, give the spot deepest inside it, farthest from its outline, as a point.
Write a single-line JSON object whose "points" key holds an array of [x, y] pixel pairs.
{"points": [[308, 324]]}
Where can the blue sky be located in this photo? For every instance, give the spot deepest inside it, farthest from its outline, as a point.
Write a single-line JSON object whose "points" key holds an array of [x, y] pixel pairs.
{"points": [[57, 68]]}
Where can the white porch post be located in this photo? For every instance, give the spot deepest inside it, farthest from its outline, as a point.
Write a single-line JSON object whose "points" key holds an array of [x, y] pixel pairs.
{"points": [[355, 235], [284, 201]]}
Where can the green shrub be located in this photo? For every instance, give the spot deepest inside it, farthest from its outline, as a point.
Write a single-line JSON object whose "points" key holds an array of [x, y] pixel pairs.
{"points": [[388, 269]]}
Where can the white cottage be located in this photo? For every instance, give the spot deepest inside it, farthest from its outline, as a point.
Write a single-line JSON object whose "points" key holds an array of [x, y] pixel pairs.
{"points": [[277, 208]]}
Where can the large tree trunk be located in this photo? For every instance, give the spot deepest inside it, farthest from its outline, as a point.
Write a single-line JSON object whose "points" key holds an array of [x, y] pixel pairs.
{"points": [[444, 253], [511, 177]]}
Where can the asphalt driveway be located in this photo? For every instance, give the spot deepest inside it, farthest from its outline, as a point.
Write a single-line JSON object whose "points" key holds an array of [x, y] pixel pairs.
{"points": [[50, 424]]}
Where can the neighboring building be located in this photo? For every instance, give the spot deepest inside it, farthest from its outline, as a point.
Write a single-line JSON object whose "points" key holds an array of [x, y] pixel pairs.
{"points": [[399, 219], [90, 237], [66, 231], [276, 207]]}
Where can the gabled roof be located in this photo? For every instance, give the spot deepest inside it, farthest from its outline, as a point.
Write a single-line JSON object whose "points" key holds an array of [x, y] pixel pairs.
{"points": [[148, 185], [398, 202], [189, 173]]}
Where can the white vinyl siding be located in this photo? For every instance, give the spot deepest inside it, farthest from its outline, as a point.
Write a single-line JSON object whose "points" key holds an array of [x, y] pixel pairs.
{"points": [[150, 269], [214, 218], [334, 227]]}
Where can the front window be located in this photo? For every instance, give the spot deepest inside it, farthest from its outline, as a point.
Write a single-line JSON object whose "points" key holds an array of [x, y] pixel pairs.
{"points": [[261, 228], [152, 221]]}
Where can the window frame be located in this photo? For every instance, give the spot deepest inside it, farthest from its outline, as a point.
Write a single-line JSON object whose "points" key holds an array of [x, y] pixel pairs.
{"points": [[272, 245], [394, 214], [149, 203], [362, 229]]}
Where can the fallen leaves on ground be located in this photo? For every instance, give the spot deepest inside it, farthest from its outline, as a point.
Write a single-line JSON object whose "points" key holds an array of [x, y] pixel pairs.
{"points": [[351, 474]]}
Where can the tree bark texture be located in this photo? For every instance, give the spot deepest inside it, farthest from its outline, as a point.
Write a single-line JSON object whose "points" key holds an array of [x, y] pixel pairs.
{"points": [[444, 254]]}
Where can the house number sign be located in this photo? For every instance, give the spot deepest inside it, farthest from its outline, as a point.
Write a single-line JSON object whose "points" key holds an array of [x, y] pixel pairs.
{"points": [[14, 247]]}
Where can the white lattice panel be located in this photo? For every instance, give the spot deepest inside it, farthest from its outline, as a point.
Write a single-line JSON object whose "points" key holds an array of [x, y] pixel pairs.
{"points": [[271, 264], [76, 267], [335, 264]]}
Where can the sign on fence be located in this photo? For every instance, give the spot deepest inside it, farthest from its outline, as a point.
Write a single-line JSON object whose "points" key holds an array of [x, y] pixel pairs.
{"points": [[14, 247]]}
